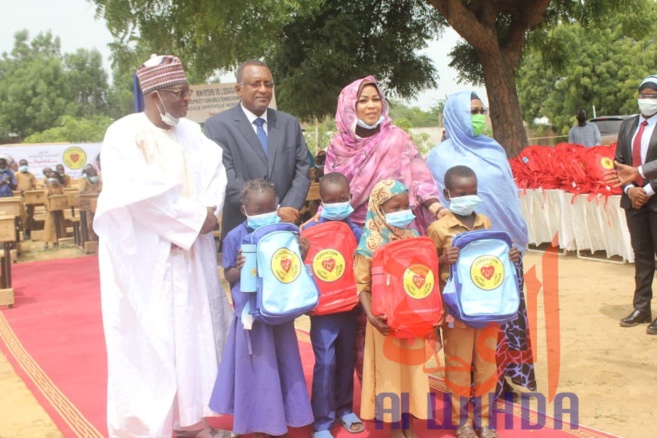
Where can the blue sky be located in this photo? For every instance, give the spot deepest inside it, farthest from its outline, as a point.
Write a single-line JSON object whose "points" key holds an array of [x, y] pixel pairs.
{"points": [[73, 21]]}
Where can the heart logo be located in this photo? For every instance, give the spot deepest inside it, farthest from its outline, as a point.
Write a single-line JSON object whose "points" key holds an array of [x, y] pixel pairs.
{"points": [[75, 157], [418, 281], [329, 264], [487, 272], [286, 264]]}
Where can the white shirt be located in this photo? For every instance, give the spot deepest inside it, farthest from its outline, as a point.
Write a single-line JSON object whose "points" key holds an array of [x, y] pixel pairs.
{"points": [[252, 117], [645, 143]]}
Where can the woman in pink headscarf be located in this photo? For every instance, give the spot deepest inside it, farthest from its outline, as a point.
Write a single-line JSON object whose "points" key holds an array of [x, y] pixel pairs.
{"points": [[368, 148]]}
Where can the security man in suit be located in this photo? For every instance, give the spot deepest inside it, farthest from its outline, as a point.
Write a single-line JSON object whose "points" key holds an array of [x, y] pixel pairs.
{"points": [[260, 142], [637, 144]]}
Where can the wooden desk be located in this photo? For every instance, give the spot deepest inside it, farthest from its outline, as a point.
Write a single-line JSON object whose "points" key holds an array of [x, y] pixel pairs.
{"points": [[88, 203], [57, 203], [7, 236], [35, 197], [11, 206]]}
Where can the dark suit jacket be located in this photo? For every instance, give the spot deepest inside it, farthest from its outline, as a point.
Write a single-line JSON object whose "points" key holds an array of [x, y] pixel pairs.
{"points": [[624, 155], [650, 169], [286, 164]]}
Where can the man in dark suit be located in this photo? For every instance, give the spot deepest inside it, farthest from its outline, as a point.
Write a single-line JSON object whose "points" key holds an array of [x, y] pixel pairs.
{"points": [[637, 145], [260, 142]]}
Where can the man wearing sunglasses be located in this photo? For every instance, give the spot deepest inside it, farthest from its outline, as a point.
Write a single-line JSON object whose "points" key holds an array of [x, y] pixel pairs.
{"points": [[260, 142], [164, 318]]}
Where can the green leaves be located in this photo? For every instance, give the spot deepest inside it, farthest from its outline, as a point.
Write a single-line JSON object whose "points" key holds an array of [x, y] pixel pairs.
{"points": [[313, 47], [598, 67], [39, 85]]}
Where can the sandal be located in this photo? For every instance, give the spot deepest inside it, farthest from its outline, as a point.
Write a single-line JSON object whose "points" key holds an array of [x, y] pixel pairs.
{"points": [[487, 432], [322, 434], [466, 432], [350, 420]]}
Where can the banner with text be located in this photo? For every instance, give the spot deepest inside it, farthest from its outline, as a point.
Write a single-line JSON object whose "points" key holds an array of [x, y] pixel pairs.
{"points": [[73, 156], [212, 99]]}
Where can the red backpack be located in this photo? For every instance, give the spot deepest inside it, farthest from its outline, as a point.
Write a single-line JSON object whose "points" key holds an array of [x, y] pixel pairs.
{"points": [[405, 286], [331, 256]]}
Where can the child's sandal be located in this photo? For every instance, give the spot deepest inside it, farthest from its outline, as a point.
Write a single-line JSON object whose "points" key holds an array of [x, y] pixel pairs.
{"points": [[466, 432]]}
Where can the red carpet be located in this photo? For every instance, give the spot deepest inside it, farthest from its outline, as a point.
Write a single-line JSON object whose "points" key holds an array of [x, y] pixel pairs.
{"points": [[53, 337]]}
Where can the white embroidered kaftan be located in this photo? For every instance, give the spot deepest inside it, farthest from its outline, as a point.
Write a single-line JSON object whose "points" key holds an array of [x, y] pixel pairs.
{"points": [[165, 314]]}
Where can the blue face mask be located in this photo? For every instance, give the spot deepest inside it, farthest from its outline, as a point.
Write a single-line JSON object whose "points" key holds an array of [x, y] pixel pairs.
{"points": [[464, 205], [337, 211], [366, 126], [260, 220], [400, 219], [23, 169], [93, 179]]}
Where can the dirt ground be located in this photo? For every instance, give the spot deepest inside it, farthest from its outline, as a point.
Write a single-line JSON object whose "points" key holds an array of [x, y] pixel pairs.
{"points": [[612, 370]]}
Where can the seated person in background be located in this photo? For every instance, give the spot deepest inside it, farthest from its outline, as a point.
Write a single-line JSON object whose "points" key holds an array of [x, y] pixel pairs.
{"points": [[93, 183], [317, 172], [62, 172], [7, 180], [43, 183], [55, 187], [25, 180]]}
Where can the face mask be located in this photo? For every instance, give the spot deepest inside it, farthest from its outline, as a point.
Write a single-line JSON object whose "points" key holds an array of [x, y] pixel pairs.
{"points": [[648, 107], [93, 179], [84, 176], [53, 181], [337, 211], [464, 205], [400, 219], [260, 220], [23, 169], [478, 122], [166, 116], [366, 126]]}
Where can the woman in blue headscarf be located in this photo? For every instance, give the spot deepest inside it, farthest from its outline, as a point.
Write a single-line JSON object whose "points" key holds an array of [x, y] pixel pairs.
{"points": [[464, 117]]}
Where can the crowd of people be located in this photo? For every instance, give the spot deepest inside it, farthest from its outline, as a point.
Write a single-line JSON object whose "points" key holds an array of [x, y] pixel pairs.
{"points": [[179, 352], [16, 179]]}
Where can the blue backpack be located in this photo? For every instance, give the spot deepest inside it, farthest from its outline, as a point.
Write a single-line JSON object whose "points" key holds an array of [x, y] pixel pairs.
{"points": [[483, 285], [285, 288]]}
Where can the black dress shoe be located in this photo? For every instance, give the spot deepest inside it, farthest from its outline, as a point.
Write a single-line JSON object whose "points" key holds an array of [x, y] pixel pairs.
{"points": [[652, 328], [636, 318]]}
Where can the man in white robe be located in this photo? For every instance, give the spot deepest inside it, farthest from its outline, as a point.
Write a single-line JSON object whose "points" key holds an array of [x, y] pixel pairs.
{"points": [[165, 313]]}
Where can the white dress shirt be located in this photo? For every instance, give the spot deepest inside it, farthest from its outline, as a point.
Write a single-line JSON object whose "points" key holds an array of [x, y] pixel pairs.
{"points": [[252, 117]]}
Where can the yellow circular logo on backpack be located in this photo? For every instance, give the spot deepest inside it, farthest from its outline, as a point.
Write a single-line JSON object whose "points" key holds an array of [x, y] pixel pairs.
{"points": [[329, 265], [487, 272], [75, 157], [607, 163], [285, 265], [418, 281]]}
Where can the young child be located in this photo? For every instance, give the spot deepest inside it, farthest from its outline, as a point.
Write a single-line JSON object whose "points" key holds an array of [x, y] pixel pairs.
{"points": [[466, 346], [333, 336], [260, 380], [388, 216]]}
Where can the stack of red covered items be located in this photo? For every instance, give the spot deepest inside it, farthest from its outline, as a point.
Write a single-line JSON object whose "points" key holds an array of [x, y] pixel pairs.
{"points": [[566, 166]]}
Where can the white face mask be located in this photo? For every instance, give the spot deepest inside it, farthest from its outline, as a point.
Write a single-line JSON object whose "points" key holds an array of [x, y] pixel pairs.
{"points": [[366, 126], [166, 115], [648, 107]]}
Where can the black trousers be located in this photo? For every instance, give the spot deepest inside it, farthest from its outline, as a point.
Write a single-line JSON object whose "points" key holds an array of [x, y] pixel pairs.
{"points": [[642, 224]]}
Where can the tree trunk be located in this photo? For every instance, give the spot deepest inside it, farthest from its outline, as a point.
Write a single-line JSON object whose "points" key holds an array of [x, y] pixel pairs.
{"points": [[475, 21], [504, 105]]}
